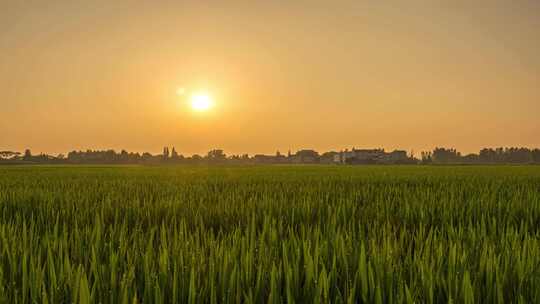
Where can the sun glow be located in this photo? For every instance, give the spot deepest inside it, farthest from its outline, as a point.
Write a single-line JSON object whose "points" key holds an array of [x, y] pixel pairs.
{"points": [[201, 102]]}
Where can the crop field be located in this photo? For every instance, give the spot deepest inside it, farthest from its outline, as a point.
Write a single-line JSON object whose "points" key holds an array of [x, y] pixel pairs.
{"points": [[270, 234]]}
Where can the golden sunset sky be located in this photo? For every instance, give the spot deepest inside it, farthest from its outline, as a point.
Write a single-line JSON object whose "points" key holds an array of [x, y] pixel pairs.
{"points": [[283, 75]]}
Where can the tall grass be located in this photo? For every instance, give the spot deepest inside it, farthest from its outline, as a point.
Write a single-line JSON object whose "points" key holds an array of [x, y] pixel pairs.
{"points": [[270, 234]]}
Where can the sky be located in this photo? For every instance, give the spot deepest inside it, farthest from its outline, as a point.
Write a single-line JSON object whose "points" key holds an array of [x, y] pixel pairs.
{"points": [[283, 75]]}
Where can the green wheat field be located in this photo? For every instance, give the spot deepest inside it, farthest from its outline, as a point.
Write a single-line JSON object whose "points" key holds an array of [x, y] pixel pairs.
{"points": [[270, 234]]}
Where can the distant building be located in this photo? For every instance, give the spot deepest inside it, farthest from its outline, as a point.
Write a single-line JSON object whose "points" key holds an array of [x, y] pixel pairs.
{"points": [[358, 156], [263, 159], [270, 159], [396, 156], [305, 157]]}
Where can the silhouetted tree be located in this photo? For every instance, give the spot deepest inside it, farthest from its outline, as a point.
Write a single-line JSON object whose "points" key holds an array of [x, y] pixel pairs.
{"points": [[427, 157], [196, 158], [146, 156], [124, 156], [471, 158], [535, 154], [27, 154], [216, 155], [511, 155], [443, 155], [9, 154], [174, 154], [165, 153]]}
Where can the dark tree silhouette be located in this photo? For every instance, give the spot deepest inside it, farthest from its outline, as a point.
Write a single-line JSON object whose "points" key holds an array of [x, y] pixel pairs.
{"points": [[439, 155], [9, 154]]}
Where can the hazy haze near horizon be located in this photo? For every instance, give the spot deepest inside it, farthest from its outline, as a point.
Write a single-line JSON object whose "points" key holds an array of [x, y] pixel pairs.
{"points": [[284, 75]]}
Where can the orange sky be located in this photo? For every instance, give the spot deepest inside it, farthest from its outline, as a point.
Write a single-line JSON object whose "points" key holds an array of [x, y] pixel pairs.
{"points": [[284, 75]]}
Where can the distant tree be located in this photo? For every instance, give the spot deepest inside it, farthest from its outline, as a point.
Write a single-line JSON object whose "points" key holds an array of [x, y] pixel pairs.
{"points": [[329, 157], [438, 155], [124, 156], [216, 154], [507, 155], [72, 156], [134, 158], [535, 154], [174, 154], [471, 158], [9, 154], [27, 154], [165, 153], [518, 155], [110, 156], [427, 157], [487, 155], [443, 155], [196, 158]]}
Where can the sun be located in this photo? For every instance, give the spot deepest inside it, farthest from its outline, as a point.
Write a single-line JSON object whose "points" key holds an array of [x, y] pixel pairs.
{"points": [[201, 102]]}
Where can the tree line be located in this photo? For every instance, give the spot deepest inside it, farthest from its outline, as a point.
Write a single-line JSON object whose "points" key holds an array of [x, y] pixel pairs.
{"points": [[171, 156], [485, 156]]}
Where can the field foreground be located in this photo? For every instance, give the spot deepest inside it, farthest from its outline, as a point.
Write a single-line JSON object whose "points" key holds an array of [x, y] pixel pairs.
{"points": [[270, 234]]}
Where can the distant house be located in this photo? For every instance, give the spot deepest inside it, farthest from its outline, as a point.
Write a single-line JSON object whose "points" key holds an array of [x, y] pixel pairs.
{"points": [[305, 157], [270, 159], [264, 159], [396, 156], [361, 156]]}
